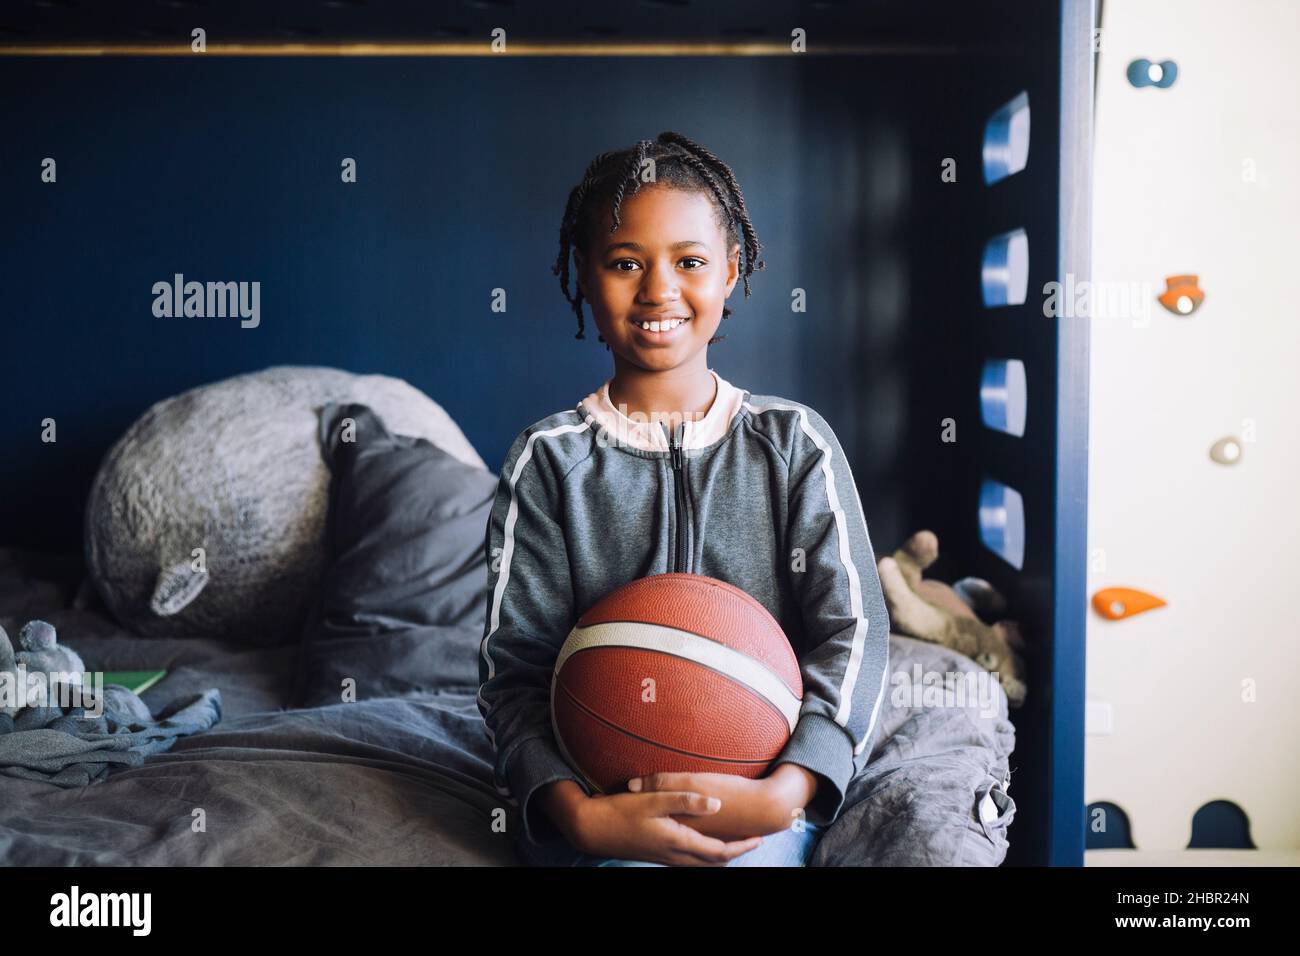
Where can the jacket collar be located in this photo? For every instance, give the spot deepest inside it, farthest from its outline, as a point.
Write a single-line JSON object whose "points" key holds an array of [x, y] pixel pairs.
{"points": [[649, 435]]}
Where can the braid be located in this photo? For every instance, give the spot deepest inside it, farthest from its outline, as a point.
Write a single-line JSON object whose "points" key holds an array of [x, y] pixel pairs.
{"points": [[703, 156], [678, 162], [577, 201], [631, 169]]}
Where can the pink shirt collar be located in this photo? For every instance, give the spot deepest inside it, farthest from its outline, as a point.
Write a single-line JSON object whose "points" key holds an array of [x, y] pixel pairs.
{"points": [[649, 435]]}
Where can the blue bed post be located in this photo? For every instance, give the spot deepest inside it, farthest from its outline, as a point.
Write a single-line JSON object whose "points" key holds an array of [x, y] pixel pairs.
{"points": [[1071, 505]]}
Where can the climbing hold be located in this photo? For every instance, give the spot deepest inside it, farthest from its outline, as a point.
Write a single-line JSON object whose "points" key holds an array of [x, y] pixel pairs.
{"points": [[1226, 451], [1115, 604], [1182, 295], [1160, 75]]}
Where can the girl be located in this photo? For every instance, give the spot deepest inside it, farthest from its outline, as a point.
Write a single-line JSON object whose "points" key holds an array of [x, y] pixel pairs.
{"points": [[668, 467]]}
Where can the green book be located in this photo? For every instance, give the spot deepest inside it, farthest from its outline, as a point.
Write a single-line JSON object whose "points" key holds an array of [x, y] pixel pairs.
{"points": [[135, 681]]}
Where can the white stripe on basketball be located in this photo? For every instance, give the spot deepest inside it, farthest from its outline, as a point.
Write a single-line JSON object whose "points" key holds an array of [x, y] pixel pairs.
{"points": [[670, 640]]}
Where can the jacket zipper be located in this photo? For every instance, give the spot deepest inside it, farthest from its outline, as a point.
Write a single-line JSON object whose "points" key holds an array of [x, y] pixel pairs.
{"points": [[680, 556]]}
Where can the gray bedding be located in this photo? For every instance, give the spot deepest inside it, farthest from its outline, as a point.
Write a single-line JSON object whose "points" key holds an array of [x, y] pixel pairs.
{"points": [[406, 780]]}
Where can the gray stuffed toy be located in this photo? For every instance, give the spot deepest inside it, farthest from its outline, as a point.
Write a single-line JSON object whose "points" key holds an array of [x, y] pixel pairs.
{"points": [[207, 518], [41, 653]]}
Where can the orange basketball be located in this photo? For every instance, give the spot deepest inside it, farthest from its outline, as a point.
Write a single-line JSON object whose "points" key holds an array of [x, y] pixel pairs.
{"points": [[674, 672]]}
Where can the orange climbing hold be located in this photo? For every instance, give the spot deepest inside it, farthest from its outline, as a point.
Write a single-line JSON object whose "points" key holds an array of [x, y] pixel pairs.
{"points": [[1115, 604], [1182, 295]]}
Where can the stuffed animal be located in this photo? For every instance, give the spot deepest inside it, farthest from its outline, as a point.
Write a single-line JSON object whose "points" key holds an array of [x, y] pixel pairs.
{"points": [[41, 653], [933, 611], [207, 518]]}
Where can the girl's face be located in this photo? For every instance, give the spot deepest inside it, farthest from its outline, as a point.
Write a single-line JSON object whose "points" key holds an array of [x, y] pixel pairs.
{"points": [[668, 260]]}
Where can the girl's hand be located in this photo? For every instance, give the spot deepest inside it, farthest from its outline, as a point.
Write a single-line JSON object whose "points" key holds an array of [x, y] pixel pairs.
{"points": [[643, 826], [749, 807]]}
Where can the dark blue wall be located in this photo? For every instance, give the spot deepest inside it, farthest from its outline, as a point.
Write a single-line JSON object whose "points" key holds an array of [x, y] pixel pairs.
{"points": [[228, 169]]}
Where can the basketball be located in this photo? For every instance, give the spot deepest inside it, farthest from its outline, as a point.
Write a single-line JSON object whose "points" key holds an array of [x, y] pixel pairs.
{"points": [[674, 673]]}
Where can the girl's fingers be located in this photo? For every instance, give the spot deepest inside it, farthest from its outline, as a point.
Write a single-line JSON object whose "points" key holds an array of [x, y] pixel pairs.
{"points": [[689, 843], [711, 850], [667, 802]]}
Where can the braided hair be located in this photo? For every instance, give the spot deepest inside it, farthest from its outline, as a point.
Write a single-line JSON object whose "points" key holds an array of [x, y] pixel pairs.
{"points": [[677, 162]]}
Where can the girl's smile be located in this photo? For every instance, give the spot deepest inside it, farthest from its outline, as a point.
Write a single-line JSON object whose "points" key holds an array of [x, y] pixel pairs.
{"points": [[660, 327]]}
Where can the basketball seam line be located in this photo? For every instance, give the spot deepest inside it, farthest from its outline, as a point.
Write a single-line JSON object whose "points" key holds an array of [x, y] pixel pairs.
{"points": [[654, 743], [723, 674]]}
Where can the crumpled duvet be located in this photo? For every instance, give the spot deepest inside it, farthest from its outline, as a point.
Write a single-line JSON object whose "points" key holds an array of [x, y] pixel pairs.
{"points": [[65, 746], [935, 790]]}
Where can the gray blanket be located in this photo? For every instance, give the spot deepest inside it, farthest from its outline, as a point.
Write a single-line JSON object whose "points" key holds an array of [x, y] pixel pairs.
{"points": [[71, 747], [935, 790], [407, 781]]}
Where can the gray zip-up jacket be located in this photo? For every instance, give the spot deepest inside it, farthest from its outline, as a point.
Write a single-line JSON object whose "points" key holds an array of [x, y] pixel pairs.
{"points": [[756, 493]]}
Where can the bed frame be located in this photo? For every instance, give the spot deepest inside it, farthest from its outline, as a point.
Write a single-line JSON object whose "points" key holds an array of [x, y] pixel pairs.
{"points": [[914, 322]]}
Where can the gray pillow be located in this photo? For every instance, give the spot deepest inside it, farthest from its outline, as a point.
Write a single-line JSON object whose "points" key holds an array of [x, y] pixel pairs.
{"points": [[402, 601], [206, 518]]}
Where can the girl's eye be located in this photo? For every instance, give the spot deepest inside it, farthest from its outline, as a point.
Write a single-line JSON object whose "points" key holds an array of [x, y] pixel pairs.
{"points": [[632, 262]]}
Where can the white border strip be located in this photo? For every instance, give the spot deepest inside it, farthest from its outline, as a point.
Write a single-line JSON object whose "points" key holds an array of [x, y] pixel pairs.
{"points": [[846, 559], [508, 553]]}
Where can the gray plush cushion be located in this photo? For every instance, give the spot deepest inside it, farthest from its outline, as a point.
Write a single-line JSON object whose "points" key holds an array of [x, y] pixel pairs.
{"points": [[400, 607], [234, 468]]}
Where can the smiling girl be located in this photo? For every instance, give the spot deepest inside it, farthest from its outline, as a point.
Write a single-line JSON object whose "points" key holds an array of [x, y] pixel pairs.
{"points": [[668, 467]]}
